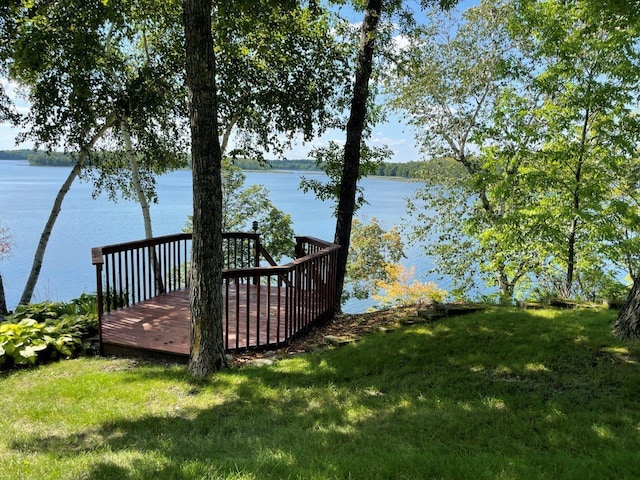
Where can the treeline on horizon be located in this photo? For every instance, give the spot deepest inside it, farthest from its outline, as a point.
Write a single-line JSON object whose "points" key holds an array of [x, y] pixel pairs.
{"points": [[38, 158], [409, 170]]}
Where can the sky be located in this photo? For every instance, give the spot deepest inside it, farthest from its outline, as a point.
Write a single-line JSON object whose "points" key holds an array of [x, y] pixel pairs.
{"points": [[395, 134]]}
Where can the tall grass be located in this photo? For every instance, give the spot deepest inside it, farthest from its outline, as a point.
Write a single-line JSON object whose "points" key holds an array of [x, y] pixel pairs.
{"points": [[502, 394]]}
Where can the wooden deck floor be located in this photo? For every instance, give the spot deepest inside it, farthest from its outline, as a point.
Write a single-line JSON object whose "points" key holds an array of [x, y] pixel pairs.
{"points": [[160, 327]]}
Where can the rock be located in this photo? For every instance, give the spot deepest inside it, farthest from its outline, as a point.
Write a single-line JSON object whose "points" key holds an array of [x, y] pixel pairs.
{"points": [[261, 362], [530, 305], [341, 340], [384, 329], [429, 314], [312, 349]]}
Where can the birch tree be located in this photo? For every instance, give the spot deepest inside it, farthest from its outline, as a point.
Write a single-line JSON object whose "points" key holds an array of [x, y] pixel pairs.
{"points": [[78, 86]]}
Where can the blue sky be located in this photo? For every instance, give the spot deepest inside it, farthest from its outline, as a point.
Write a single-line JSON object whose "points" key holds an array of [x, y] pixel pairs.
{"points": [[394, 133]]}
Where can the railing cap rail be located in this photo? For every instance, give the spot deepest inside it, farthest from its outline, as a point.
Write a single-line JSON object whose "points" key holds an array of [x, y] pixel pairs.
{"points": [[278, 269], [149, 242], [315, 241], [97, 253]]}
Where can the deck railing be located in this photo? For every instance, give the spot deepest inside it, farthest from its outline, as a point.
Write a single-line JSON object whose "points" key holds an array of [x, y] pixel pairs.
{"points": [[265, 305], [286, 301]]}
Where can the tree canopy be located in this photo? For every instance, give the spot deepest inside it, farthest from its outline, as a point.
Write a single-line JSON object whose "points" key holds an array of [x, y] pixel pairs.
{"points": [[546, 129]]}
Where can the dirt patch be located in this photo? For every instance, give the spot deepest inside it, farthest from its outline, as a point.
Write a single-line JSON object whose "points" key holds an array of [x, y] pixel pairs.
{"points": [[343, 325]]}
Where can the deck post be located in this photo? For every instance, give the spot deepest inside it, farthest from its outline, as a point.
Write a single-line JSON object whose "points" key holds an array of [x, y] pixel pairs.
{"points": [[98, 260]]}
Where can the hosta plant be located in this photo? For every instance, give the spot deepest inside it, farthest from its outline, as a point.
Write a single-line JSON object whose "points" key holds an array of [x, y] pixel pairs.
{"points": [[40, 332]]}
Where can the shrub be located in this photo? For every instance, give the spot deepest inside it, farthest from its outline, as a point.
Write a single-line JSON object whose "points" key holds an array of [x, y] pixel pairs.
{"points": [[40, 332], [404, 290]]}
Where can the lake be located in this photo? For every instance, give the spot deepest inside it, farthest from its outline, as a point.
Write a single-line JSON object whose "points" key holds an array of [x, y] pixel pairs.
{"points": [[27, 194]]}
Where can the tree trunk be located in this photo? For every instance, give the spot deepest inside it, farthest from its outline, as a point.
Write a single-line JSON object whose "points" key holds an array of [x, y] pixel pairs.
{"points": [[505, 288], [355, 127], [38, 257], [207, 349], [144, 205], [571, 258], [3, 301], [135, 179], [576, 196], [628, 322]]}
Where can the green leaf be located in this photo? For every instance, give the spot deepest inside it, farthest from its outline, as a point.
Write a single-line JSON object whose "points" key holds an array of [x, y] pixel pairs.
{"points": [[29, 353], [28, 322]]}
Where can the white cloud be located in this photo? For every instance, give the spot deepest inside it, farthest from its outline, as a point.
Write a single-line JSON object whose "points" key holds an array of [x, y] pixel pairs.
{"points": [[390, 142]]}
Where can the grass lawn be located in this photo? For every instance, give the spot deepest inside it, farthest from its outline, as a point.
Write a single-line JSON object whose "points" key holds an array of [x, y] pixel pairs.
{"points": [[500, 394]]}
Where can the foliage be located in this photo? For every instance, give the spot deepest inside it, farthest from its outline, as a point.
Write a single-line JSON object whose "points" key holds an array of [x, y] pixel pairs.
{"points": [[532, 98], [447, 78], [372, 251], [255, 164], [243, 206], [51, 159], [413, 170], [504, 393], [402, 289], [80, 63], [37, 333], [93, 79], [329, 160], [584, 141], [417, 169], [20, 154], [8, 111], [279, 69], [410, 169], [449, 82]]}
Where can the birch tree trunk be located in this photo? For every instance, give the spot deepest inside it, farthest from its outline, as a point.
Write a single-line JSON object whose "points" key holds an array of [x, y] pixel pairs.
{"points": [[38, 257], [135, 179], [144, 205], [207, 349]]}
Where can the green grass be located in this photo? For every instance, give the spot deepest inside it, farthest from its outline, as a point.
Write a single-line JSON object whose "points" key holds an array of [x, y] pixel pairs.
{"points": [[502, 394]]}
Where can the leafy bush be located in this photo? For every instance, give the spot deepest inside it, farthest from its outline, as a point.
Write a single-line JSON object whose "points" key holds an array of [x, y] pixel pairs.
{"points": [[40, 332], [404, 290]]}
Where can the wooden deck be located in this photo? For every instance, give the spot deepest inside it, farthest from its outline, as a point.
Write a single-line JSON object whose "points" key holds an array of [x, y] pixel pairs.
{"points": [[264, 306], [159, 327]]}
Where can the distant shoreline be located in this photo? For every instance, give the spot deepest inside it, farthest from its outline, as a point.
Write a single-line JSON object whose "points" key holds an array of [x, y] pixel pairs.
{"points": [[412, 170]]}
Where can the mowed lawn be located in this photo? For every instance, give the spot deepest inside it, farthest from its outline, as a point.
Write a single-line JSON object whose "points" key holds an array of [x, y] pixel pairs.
{"points": [[499, 394]]}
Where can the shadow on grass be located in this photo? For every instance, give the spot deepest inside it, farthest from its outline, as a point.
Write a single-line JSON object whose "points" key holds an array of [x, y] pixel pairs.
{"points": [[491, 395]]}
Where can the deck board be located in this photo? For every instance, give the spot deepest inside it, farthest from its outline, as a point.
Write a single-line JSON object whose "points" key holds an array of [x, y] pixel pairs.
{"points": [[161, 325]]}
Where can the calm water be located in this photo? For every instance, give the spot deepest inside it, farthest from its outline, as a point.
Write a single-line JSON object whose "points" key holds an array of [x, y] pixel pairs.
{"points": [[27, 194]]}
